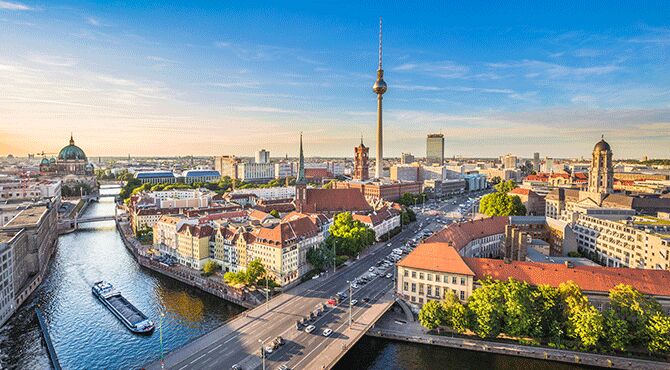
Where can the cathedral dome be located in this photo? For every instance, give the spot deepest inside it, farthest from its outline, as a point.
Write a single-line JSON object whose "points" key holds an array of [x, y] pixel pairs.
{"points": [[601, 146], [71, 152], [44, 161]]}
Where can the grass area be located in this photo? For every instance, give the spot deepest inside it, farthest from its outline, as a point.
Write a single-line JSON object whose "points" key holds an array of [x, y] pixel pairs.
{"points": [[650, 220]]}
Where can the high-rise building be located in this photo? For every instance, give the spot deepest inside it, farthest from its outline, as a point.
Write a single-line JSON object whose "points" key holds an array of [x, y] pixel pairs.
{"points": [[435, 149], [601, 175], [263, 156], [536, 162], [361, 170], [407, 158], [509, 161], [227, 165], [379, 88]]}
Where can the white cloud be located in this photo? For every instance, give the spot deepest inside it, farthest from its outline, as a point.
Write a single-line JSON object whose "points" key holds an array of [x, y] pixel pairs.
{"points": [[13, 6], [260, 109], [93, 21], [52, 60]]}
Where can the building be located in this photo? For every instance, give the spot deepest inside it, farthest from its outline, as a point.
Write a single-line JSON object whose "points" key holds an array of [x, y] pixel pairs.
{"points": [[405, 172], [146, 218], [274, 193], [509, 161], [330, 201], [256, 172], [71, 160], [193, 245], [435, 149], [284, 170], [175, 198], [262, 156], [475, 238], [227, 166], [635, 241], [536, 162], [192, 176], [534, 203], [381, 221], [389, 191], [434, 269], [156, 177], [440, 188], [24, 189], [27, 243], [361, 166], [379, 88], [407, 158], [475, 182], [601, 175]]}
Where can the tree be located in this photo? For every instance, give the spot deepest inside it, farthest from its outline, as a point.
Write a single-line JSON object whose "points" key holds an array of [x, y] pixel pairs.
{"points": [[587, 324], [500, 203], [209, 267], [349, 236], [432, 315], [658, 329], [234, 278], [255, 270], [320, 257], [546, 303], [455, 313], [520, 318], [495, 180], [274, 213], [634, 308], [616, 335], [486, 306]]}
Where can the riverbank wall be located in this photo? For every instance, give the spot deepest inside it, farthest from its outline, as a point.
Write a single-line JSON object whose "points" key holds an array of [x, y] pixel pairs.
{"points": [[185, 276], [541, 353]]}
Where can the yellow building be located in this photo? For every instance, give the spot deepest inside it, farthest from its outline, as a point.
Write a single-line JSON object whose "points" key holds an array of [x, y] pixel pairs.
{"points": [[193, 245]]}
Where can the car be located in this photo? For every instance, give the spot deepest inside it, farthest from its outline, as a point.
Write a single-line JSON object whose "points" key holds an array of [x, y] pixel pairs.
{"points": [[310, 329], [278, 341], [371, 269], [366, 299], [354, 301], [268, 349], [236, 367], [327, 332], [388, 276], [315, 277], [354, 286], [282, 367], [332, 302], [389, 244]]}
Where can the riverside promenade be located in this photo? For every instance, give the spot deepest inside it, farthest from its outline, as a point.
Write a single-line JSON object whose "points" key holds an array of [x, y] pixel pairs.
{"points": [[393, 325]]}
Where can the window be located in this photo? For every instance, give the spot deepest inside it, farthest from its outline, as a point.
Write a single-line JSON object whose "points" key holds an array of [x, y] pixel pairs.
{"points": [[430, 277], [413, 299], [462, 295], [420, 300], [406, 273], [437, 291], [413, 288], [413, 274], [405, 286], [453, 279], [421, 276], [446, 279], [429, 290], [462, 281]]}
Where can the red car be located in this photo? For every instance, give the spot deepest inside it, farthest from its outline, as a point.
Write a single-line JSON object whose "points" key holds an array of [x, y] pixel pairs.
{"points": [[332, 302]]}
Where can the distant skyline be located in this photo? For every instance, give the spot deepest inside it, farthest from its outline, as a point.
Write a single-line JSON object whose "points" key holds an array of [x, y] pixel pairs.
{"points": [[210, 78]]}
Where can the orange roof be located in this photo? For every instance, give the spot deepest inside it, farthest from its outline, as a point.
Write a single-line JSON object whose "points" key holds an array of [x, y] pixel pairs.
{"points": [[258, 215], [317, 172], [436, 257], [520, 191], [458, 235], [589, 278], [377, 217], [287, 231], [199, 231], [335, 200]]}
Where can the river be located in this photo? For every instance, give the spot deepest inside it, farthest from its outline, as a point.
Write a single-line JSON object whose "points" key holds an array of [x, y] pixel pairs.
{"points": [[87, 336]]}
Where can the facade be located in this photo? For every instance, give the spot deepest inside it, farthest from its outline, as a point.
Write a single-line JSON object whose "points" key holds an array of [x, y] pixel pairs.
{"points": [[193, 245], [71, 160], [274, 193], [146, 218], [435, 149], [227, 166], [361, 166], [192, 176], [256, 172], [475, 182], [509, 161], [389, 191], [440, 188], [283, 170], [536, 162], [7, 304], [601, 175], [431, 264], [156, 177], [405, 172], [22, 189], [534, 203], [475, 238], [381, 221], [262, 156]]}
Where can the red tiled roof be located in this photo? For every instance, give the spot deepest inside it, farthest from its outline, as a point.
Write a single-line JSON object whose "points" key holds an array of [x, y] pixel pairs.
{"points": [[377, 217], [588, 278], [258, 215], [581, 176], [458, 235], [317, 173], [335, 200], [288, 231], [520, 191], [199, 231], [222, 216], [436, 257]]}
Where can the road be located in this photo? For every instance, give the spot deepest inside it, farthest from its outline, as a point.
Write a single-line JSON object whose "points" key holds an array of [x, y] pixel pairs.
{"points": [[239, 341]]}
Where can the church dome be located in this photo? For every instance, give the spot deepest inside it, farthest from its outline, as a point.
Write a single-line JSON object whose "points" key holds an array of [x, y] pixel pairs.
{"points": [[71, 152], [44, 161], [601, 146]]}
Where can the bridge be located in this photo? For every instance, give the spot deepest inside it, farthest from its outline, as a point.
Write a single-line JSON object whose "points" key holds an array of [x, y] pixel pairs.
{"points": [[239, 341], [94, 219]]}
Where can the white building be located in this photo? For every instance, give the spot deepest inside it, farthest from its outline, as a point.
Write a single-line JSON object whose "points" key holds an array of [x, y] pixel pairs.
{"points": [[192, 176], [284, 170], [256, 172], [263, 156], [7, 304], [381, 221], [279, 192]]}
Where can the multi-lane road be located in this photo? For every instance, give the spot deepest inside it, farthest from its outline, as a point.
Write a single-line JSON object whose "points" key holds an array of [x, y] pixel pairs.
{"points": [[239, 341]]}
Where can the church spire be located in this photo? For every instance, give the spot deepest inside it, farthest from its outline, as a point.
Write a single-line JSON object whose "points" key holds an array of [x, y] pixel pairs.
{"points": [[71, 139], [301, 165]]}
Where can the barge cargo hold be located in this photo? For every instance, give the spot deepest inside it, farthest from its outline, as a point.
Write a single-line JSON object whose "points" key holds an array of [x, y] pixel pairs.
{"points": [[128, 314]]}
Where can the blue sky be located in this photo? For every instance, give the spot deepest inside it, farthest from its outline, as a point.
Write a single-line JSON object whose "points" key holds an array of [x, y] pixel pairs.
{"points": [[210, 78]]}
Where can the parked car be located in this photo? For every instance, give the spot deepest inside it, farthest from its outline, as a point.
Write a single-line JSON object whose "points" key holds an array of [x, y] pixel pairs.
{"points": [[310, 329], [353, 302], [327, 332]]}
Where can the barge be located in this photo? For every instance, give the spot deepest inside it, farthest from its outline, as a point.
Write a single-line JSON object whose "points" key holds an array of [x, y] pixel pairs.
{"points": [[128, 314]]}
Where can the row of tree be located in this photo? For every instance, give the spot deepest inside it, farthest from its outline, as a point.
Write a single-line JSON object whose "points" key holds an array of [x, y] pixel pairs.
{"points": [[409, 199], [560, 317], [500, 203], [254, 272]]}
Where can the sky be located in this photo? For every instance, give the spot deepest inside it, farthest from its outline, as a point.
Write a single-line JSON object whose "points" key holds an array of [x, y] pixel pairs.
{"points": [[212, 78]]}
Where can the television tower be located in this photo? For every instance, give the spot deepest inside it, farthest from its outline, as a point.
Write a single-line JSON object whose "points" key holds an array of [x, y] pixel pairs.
{"points": [[379, 88]]}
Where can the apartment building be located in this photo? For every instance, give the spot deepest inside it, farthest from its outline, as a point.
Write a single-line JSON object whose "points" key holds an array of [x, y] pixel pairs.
{"points": [[381, 221]]}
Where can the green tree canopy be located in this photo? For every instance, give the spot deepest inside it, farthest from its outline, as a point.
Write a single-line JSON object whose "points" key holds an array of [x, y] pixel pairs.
{"points": [[349, 236], [432, 315], [658, 329], [210, 267], [255, 270], [487, 307], [634, 308], [455, 313], [500, 203]]}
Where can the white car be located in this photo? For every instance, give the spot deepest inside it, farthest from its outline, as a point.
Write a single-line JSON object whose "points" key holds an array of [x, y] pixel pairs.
{"points": [[327, 332], [268, 349], [353, 302], [388, 245], [310, 329], [354, 286], [371, 269], [388, 276]]}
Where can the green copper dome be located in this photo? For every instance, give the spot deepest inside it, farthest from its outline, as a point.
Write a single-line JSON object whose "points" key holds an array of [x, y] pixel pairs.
{"points": [[71, 152]]}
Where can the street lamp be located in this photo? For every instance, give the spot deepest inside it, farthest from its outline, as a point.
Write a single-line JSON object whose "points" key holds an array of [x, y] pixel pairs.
{"points": [[262, 342], [350, 306]]}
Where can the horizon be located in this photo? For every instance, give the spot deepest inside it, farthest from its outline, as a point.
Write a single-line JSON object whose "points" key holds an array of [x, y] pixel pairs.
{"points": [[205, 80]]}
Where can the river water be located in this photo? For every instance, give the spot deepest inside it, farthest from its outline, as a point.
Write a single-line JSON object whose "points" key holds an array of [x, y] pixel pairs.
{"points": [[87, 336]]}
